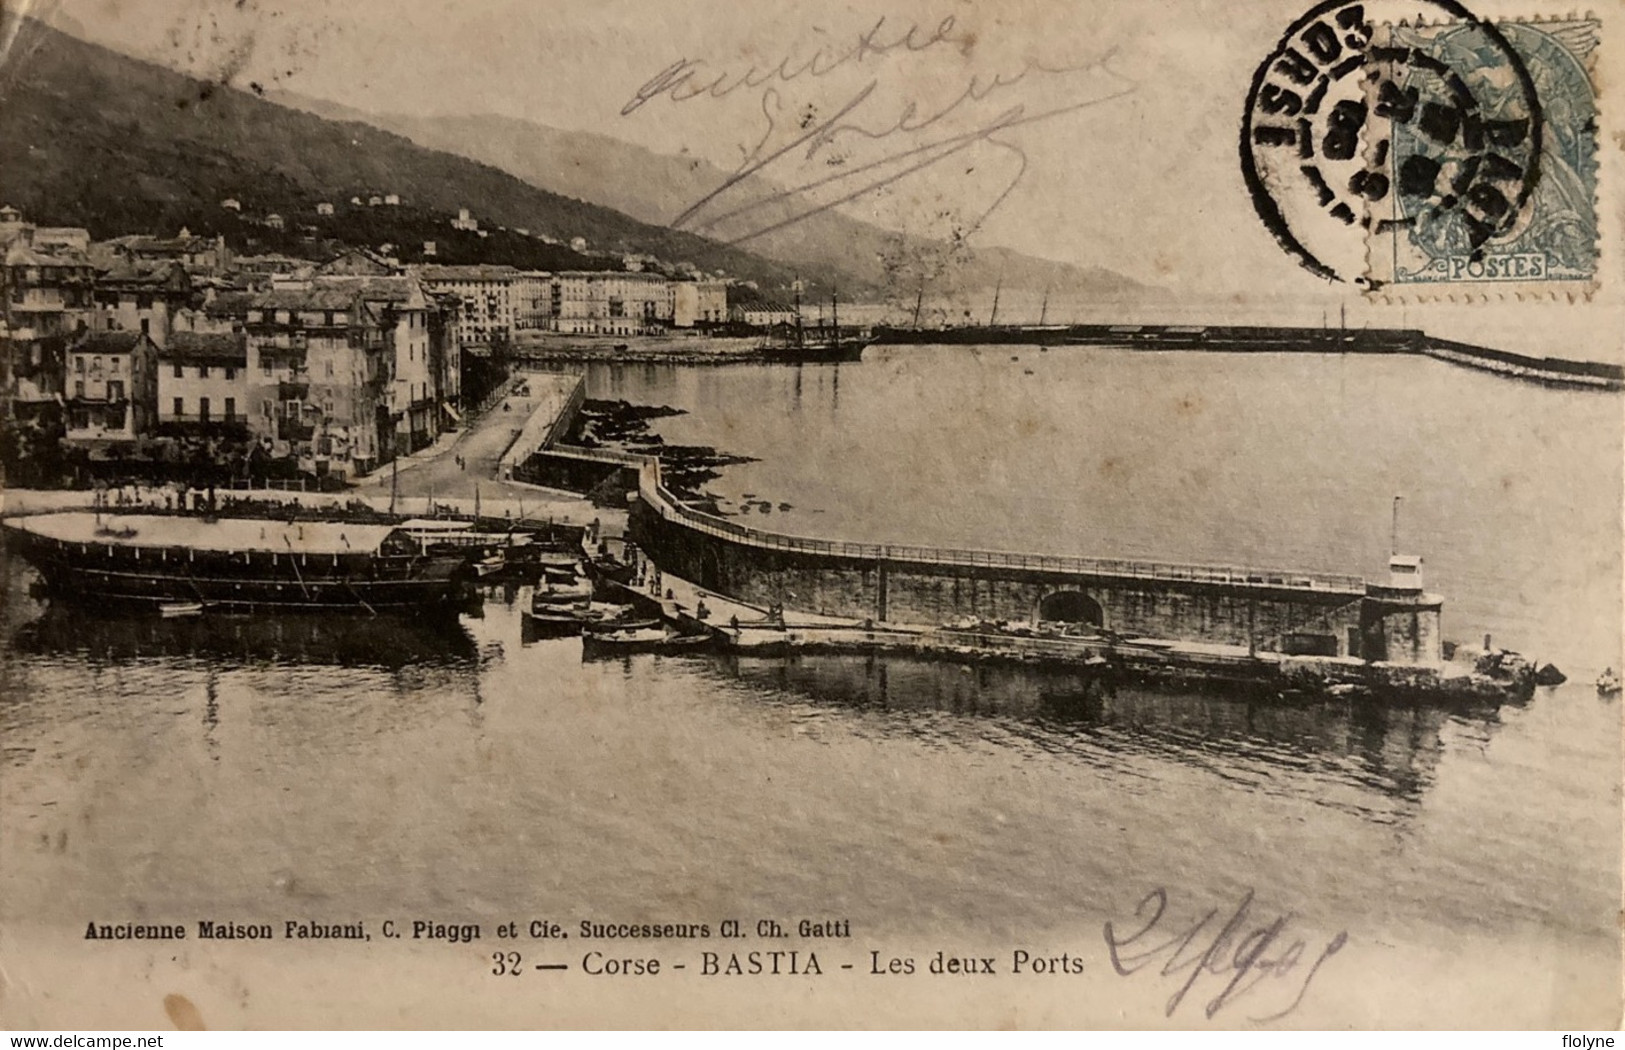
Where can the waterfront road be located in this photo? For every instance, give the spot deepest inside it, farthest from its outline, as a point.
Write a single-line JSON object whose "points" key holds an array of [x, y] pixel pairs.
{"points": [[431, 476], [455, 465]]}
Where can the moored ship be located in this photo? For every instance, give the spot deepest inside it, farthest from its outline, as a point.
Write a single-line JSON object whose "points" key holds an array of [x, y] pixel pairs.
{"points": [[159, 560]]}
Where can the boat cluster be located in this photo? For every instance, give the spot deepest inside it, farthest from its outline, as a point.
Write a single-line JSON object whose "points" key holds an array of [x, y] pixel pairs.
{"points": [[588, 598]]}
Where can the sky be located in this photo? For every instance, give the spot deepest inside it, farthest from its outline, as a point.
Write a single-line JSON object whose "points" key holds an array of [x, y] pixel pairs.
{"points": [[1137, 170]]}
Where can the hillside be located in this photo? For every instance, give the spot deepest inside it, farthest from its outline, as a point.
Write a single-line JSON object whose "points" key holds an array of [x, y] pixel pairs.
{"points": [[95, 138], [655, 187]]}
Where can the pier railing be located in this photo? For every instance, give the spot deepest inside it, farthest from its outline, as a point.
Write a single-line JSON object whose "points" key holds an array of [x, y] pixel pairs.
{"points": [[669, 507]]}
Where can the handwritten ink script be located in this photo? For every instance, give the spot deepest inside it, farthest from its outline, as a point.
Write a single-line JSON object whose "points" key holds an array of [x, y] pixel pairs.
{"points": [[1242, 956], [850, 117]]}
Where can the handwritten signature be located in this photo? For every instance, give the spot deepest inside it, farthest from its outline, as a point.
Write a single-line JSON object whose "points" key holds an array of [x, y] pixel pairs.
{"points": [[1250, 955], [981, 108]]}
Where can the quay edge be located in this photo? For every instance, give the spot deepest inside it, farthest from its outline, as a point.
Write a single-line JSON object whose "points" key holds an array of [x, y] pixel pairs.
{"points": [[1286, 630]]}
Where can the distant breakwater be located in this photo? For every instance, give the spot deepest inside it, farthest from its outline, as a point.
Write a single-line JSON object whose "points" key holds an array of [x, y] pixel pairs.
{"points": [[1551, 371]]}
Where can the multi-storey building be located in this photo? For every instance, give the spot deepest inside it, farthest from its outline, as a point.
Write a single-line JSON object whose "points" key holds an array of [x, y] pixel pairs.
{"points": [[141, 297], [698, 303], [532, 296], [112, 387], [485, 294], [611, 303], [348, 372], [45, 301], [316, 377], [202, 382]]}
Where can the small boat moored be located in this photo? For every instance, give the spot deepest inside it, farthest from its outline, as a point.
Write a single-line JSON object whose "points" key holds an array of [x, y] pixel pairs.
{"points": [[641, 640]]}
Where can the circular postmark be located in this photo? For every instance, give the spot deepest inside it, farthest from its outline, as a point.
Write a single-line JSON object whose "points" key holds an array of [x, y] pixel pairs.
{"points": [[1357, 125]]}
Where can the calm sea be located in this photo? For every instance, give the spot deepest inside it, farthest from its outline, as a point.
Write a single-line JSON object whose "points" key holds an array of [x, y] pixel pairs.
{"points": [[342, 769]]}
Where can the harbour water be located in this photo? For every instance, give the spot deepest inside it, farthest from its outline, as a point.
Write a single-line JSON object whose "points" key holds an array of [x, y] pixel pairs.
{"points": [[330, 771]]}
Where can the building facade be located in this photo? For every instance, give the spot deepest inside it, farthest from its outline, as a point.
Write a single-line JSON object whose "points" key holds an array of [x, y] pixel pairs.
{"points": [[202, 382], [112, 387], [141, 297], [699, 303], [485, 296], [346, 373], [46, 301], [532, 296], [611, 303]]}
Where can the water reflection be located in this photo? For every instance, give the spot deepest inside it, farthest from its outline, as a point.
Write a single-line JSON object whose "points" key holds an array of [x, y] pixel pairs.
{"points": [[391, 642], [1337, 749]]}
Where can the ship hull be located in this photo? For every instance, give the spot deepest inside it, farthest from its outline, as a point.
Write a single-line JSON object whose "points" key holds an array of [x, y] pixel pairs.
{"points": [[816, 353], [130, 575]]}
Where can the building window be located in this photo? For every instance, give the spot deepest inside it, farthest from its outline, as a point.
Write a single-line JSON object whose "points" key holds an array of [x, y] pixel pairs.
{"points": [[146, 325], [203, 371], [115, 390], [113, 364], [78, 388], [265, 408], [180, 407], [231, 373], [79, 364], [231, 409], [180, 373], [203, 409], [265, 365]]}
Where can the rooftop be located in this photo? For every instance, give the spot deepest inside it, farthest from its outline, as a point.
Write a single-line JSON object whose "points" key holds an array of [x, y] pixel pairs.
{"points": [[480, 272], [230, 347], [109, 342], [323, 297]]}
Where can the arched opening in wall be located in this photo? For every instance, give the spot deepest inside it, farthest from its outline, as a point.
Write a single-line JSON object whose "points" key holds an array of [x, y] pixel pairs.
{"points": [[710, 570], [1071, 607]]}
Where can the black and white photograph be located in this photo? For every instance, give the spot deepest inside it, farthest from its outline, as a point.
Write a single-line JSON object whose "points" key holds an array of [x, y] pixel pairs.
{"points": [[812, 514]]}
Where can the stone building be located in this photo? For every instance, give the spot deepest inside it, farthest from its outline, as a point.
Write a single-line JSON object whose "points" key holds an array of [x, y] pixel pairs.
{"points": [[202, 382], [112, 387], [485, 295]]}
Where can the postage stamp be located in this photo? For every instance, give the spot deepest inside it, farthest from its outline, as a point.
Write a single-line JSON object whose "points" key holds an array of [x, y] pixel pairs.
{"points": [[1451, 156], [1486, 139]]}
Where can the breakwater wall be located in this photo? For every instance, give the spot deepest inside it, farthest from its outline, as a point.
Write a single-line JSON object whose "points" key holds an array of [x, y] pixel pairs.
{"points": [[1264, 610], [1549, 371]]}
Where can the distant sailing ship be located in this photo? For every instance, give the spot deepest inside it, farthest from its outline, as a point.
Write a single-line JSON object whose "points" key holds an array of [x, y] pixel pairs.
{"points": [[823, 344]]}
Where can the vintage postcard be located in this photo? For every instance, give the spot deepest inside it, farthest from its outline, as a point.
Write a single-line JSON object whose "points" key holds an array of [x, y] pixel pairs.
{"points": [[945, 514]]}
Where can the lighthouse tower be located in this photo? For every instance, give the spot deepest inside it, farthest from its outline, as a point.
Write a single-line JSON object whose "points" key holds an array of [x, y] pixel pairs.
{"points": [[1400, 622]]}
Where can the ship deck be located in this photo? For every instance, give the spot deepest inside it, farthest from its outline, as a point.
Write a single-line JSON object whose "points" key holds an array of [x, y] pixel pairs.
{"points": [[225, 535]]}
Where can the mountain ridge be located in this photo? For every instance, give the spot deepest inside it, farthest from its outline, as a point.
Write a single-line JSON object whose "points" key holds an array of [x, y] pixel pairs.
{"points": [[92, 137], [656, 187]]}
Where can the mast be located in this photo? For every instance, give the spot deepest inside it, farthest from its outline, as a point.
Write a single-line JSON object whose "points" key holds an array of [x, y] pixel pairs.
{"points": [[835, 312], [796, 286], [1393, 535], [394, 482], [1043, 311], [919, 300], [994, 316]]}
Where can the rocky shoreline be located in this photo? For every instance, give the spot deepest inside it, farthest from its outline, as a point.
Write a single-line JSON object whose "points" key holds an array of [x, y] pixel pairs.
{"points": [[625, 427]]}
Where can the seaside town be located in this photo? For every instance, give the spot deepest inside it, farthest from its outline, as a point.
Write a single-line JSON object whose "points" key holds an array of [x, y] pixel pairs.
{"points": [[175, 361], [152, 348], [554, 494]]}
